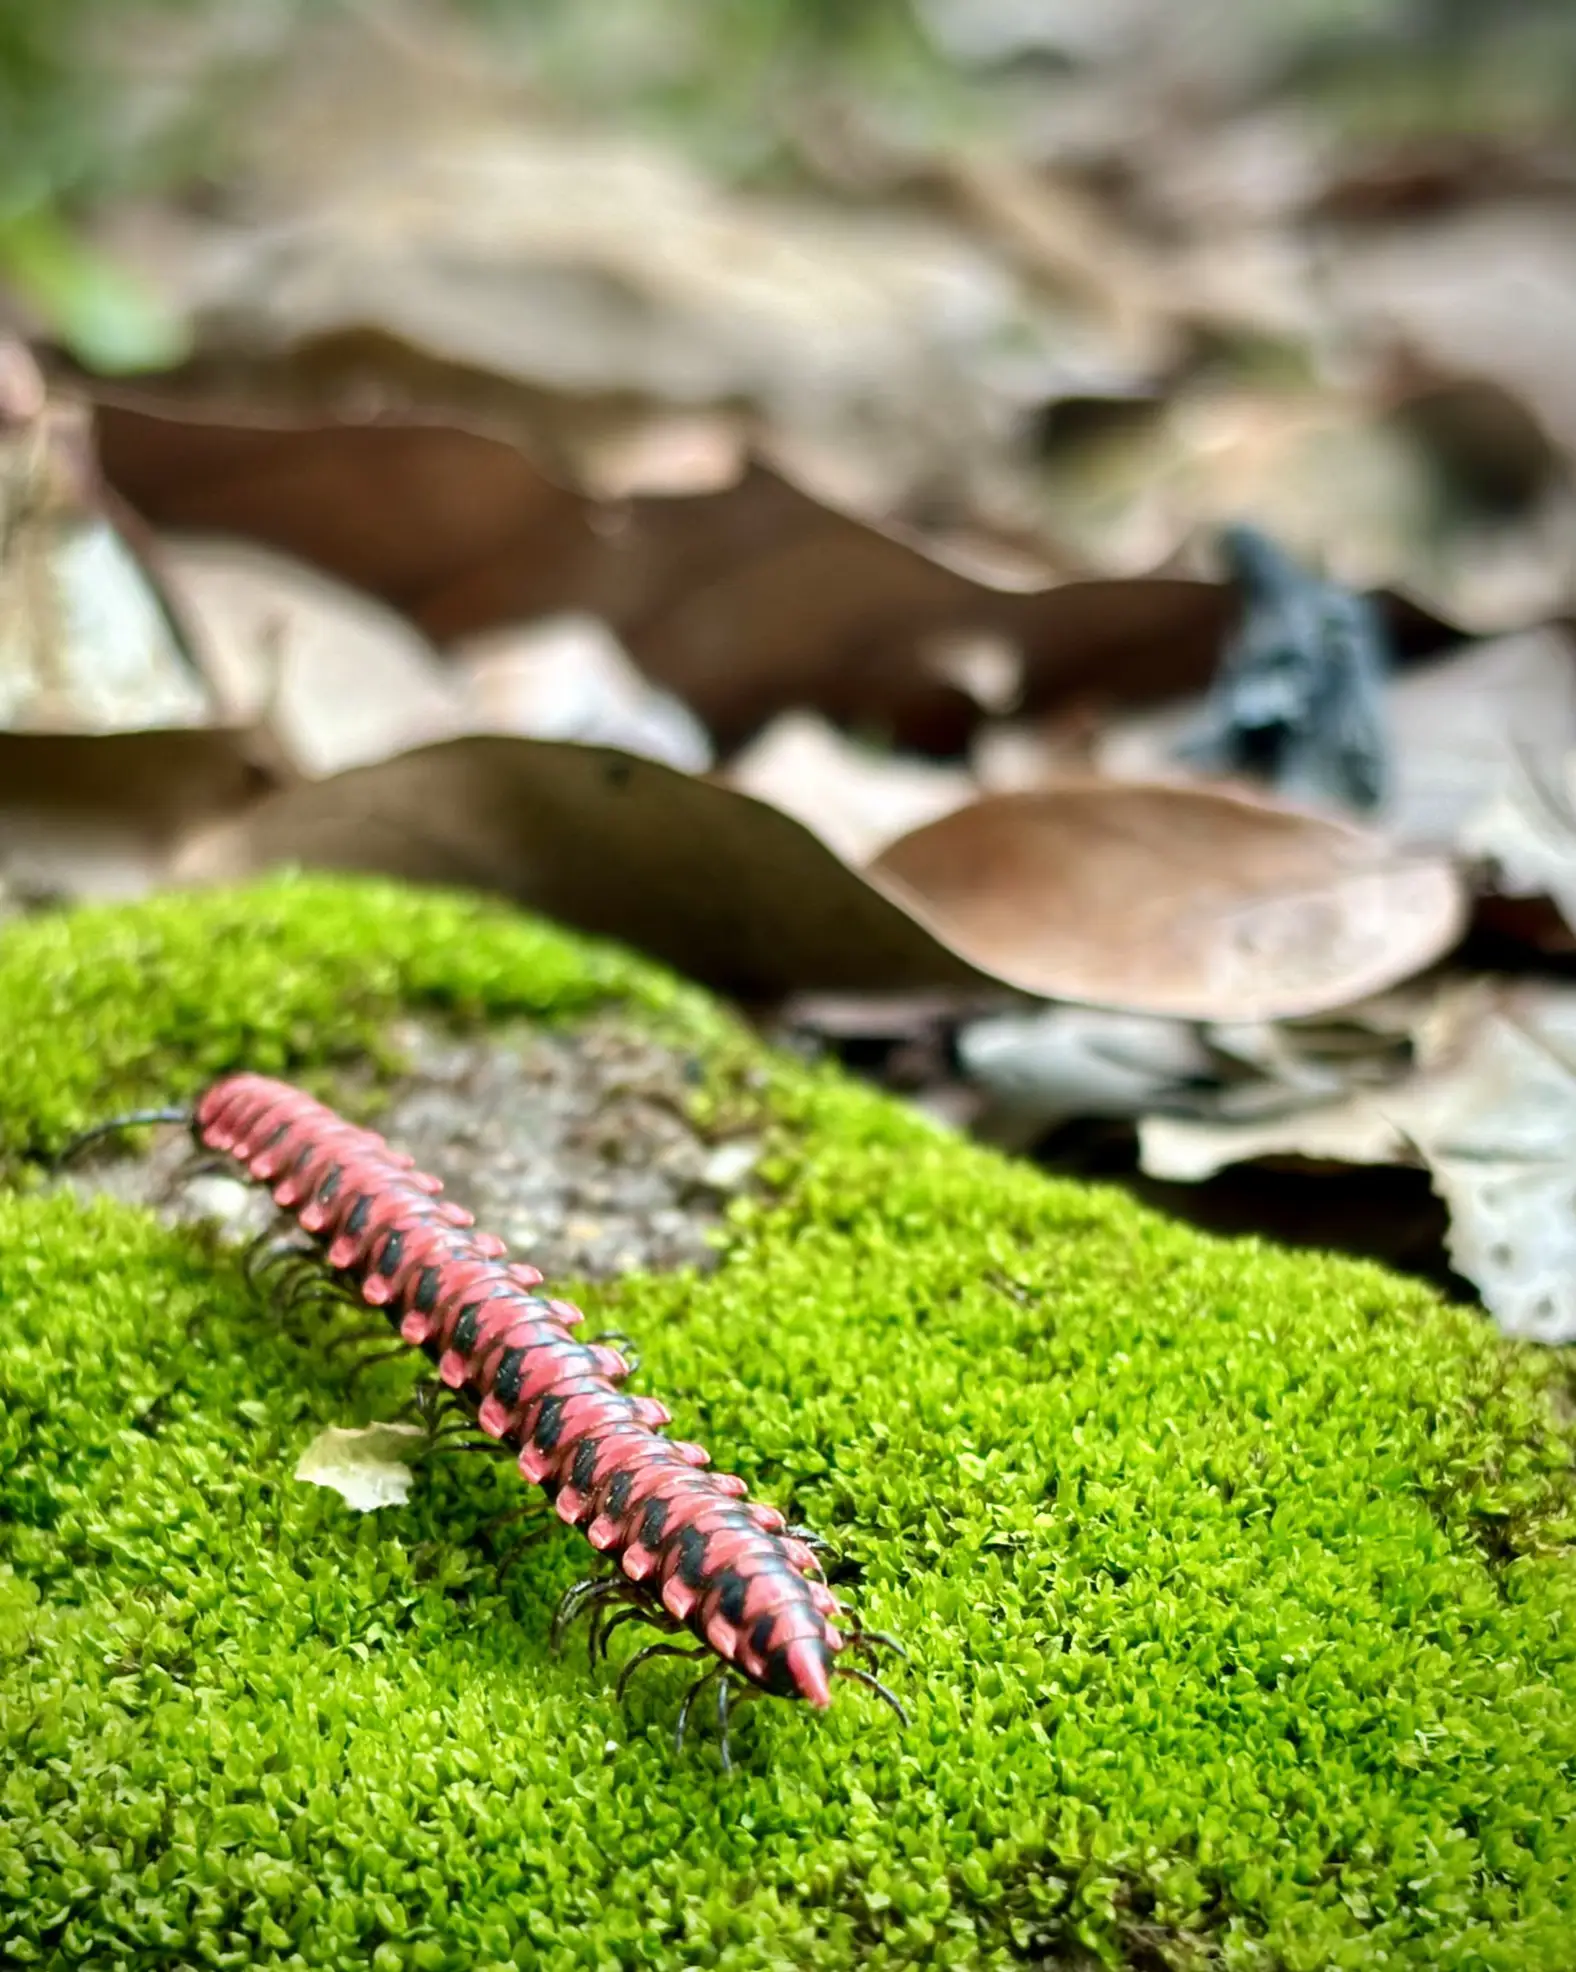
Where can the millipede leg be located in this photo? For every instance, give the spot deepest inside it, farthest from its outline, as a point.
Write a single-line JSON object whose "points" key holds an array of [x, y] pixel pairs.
{"points": [[868, 1642], [370, 1332], [636, 1609], [615, 1338], [454, 1420], [200, 1164], [634, 1615], [724, 1686], [267, 1250], [371, 1362], [133, 1119], [644, 1656], [688, 1700], [305, 1281], [428, 1402], [531, 1509], [874, 1683], [583, 1595]]}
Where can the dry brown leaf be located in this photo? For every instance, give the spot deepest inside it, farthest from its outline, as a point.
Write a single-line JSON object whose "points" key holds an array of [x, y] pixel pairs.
{"points": [[887, 354], [341, 680], [1228, 909], [1177, 900], [744, 602], [723, 887], [87, 644], [569, 678], [1490, 1109], [102, 814], [855, 799]]}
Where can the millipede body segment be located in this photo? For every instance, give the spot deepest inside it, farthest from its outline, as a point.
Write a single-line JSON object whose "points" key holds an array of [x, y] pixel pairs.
{"points": [[690, 1550]]}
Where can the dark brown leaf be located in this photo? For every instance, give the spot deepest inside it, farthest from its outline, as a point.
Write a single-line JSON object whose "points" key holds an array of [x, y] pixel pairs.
{"points": [[99, 814], [719, 885]]}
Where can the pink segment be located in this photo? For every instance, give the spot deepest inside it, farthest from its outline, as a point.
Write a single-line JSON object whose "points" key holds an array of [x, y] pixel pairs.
{"points": [[809, 1674]]}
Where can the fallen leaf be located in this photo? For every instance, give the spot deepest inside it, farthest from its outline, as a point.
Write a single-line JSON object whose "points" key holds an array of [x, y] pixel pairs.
{"points": [[87, 644], [1176, 900], [885, 354], [340, 679], [1490, 1109], [1161, 900], [720, 886], [1046, 1066], [569, 678], [365, 1464], [104, 814], [1358, 1129], [745, 602], [1527, 832], [855, 799], [1493, 1114]]}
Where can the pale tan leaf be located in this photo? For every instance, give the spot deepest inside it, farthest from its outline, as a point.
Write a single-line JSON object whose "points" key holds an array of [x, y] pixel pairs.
{"points": [[855, 799], [365, 1465], [569, 678], [341, 678], [1176, 900]]}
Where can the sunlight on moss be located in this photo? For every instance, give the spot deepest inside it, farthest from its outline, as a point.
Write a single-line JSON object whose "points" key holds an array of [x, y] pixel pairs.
{"points": [[1238, 1583]]}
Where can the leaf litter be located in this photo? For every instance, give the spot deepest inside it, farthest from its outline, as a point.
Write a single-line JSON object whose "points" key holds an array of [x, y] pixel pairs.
{"points": [[819, 582]]}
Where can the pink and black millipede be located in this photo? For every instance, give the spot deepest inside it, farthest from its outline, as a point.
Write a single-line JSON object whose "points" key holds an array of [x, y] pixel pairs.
{"points": [[689, 1550]]}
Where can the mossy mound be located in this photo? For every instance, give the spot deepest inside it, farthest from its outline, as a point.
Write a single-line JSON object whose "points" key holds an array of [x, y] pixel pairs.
{"points": [[1238, 1584]]}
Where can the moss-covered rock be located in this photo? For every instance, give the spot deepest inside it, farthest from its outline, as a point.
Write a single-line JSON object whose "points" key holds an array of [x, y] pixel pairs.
{"points": [[1238, 1583]]}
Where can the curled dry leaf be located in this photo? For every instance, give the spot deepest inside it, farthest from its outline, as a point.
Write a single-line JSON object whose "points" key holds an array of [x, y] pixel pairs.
{"points": [[1048, 1065], [1176, 900], [86, 641], [744, 602], [1159, 900], [103, 814], [721, 886], [364, 1464], [339, 678], [569, 678], [854, 798], [1527, 832], [1493, 1115], [1490, 1109]]}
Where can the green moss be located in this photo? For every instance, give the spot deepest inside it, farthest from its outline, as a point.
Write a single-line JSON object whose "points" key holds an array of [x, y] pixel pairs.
{"points": [[1238, 1584], [109, 1008]]}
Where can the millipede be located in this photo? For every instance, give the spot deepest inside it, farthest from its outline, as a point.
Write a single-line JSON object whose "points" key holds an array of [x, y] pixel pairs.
{"points": [[688, 1549]]}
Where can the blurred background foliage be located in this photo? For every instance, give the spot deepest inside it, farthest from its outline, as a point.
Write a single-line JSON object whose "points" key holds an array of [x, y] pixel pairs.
{"points": [[82, 108], [98, 97]]}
